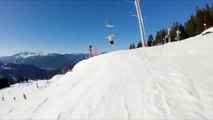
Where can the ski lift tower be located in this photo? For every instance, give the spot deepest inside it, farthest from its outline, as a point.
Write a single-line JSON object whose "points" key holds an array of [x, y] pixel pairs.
{"points": [[140, 20]]}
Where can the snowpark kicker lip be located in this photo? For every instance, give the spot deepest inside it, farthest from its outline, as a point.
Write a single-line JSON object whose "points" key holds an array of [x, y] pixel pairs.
{"points": [[172, 81]]}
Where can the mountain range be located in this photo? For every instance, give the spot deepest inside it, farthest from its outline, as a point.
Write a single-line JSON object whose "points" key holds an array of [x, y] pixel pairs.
{"points": [[44, 60], [37, 65]]}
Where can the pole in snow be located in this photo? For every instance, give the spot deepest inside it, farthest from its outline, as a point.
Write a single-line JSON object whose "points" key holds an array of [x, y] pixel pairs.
{"points": [[168, 34], [140, 20], [178, 32]]}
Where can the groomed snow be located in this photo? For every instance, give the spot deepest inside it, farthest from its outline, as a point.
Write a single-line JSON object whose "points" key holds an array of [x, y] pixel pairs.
{"points": [[171, 81]]}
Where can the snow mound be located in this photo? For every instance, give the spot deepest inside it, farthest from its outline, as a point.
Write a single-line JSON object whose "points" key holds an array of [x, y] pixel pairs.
{"points": [[172, 81]]}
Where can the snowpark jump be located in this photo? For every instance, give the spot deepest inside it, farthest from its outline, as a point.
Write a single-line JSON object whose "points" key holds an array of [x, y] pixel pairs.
{"points": [[172, 81]]}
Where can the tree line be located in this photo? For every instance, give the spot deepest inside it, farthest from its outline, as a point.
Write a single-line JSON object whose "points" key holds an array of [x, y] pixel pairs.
{"points": [[196, 24]]}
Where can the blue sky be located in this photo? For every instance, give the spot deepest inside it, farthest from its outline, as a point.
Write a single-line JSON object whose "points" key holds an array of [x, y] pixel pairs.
{"points": [[70, 26]]}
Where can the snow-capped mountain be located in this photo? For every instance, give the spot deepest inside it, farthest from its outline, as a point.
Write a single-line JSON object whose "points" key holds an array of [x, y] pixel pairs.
{"points": [[44, 60], [37, 65], [171, 81]]}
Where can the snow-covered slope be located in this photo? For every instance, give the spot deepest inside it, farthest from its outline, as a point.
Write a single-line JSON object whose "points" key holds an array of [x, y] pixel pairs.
{"points": [[172, 81]]}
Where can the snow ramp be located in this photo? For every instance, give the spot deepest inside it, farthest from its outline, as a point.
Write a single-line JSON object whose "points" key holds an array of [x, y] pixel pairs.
{"points": [[171, 81]]}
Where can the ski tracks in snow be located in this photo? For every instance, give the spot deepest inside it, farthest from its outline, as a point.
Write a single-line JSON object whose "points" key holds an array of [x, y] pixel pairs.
{"points": [[40, 105], [10, 111], [173, 76]]}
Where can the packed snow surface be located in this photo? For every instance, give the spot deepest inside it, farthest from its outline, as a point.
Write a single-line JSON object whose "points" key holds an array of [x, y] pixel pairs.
{"points": [[171, 81]]}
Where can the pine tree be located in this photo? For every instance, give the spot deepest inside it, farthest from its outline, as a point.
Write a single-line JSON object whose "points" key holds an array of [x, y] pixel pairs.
{"points": [[130, 47], [150, 41], [211, 14], [183, 34], [207, 16], [199, 21], [174, 28], [177, 26], [139, 44], [133, 45], [190, 27], [160, 36]]}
